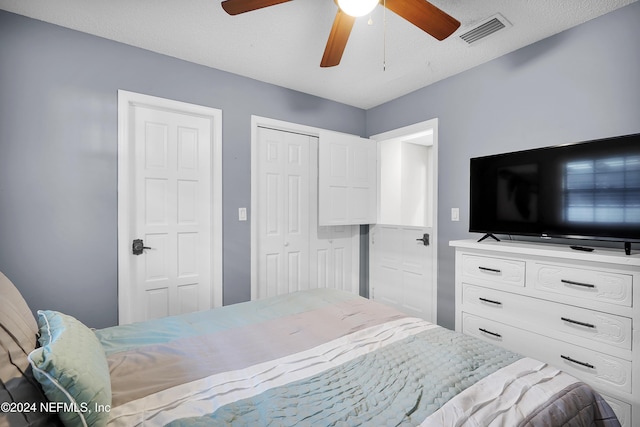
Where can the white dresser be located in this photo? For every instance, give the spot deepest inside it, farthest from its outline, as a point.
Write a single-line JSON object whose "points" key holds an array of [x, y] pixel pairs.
{"points": [[575, 310]]}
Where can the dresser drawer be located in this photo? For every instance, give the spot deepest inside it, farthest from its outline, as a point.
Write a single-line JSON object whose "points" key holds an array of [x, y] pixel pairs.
{"points": [[577, 325], [495, 271], [595, 285], [588, 365]]}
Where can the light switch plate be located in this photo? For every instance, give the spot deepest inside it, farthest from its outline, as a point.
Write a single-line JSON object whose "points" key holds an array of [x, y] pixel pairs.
{"points": [[242, 214], [455, 214]]}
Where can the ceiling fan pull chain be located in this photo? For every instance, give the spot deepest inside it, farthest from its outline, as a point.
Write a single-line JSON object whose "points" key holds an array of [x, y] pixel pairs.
{"points": [[384, 37]]}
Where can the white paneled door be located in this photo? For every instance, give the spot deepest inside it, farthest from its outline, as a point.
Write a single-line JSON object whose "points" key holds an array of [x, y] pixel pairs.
{"points": [[403, 244], [172, 212], [290, 251], [170, 227], [402, 269], [283, 212]]}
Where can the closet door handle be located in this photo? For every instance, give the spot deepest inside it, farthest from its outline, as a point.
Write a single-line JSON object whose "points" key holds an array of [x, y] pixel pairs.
{"points": [[576, 322], [570, 359], [571, 282], [492, 270], [424, 239], [490, 301], [490, 333]]}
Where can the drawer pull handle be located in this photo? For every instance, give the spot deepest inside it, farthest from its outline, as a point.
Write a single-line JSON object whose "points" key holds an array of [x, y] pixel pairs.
{"points": [[575, 322], [571, 282], [490, 333], [492, 270], [490, 301], [570, 359]]}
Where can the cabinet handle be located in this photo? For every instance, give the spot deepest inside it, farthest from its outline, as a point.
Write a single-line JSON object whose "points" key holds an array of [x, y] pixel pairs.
{"points": [[571, 282], [489, 332], [490, 301], [570, 359], [575, 322], [493, 270]]}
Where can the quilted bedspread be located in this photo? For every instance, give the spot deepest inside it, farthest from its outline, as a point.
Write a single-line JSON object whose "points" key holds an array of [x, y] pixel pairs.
{"points": [[323, 358]]}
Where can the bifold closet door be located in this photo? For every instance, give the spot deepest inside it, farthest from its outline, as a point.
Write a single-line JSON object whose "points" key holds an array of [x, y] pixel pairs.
{"points": [[292, 251], [283, 212]]}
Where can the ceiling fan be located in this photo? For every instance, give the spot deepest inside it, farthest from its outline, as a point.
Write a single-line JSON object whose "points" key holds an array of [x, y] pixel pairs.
{"points": [[420, 13]]}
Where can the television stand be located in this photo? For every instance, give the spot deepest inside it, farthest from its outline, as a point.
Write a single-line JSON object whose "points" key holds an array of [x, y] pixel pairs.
{"points": [[627, 248], [489, 235]]}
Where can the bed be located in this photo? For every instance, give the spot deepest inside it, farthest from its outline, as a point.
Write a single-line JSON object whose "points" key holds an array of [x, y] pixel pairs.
{"points": [[318, 358]]}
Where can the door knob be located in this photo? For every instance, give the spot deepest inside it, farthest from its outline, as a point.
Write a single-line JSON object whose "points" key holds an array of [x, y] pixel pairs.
{"points": [[424, 239], [138, 247]]}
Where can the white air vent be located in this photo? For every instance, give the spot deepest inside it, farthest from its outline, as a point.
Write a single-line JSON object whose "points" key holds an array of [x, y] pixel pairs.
{"points": [[486, 28]]}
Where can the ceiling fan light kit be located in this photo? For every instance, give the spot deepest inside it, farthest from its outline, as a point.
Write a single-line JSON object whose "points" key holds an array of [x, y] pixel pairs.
{"points": [[420, 13], [357, 8]]}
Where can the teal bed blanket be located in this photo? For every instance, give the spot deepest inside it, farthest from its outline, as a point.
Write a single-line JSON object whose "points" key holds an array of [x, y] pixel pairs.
{"points": [[400, 384], [328, 358]]}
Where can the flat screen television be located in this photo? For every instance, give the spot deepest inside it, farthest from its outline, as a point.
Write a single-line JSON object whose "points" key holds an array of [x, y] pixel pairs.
{"points": [[587, 190]]}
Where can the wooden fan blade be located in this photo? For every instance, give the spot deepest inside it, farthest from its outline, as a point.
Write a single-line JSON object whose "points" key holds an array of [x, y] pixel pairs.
{"points": [[338, 37], [235, 7], [425, 16]]}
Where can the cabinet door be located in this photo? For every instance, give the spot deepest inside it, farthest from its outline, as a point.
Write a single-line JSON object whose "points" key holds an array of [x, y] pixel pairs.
{"points": [[347, 179]]}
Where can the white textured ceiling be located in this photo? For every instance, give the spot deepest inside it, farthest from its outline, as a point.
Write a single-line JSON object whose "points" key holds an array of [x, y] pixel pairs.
{"points": [[283, 44]]}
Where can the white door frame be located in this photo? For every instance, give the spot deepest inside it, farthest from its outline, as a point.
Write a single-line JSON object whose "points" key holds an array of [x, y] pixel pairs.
{"points": [[258, 121], [126, 101], [402, 133]]}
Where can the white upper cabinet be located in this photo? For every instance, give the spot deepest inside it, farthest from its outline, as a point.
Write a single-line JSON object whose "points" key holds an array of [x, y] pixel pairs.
{"points": [[347, 179], [364, 181]]}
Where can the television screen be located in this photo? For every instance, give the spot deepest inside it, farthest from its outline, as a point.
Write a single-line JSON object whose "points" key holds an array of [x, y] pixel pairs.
{"points": [[587, 190]]}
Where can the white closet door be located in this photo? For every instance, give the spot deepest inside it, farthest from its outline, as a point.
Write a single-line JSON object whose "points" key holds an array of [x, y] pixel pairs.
{"points": [[333, 257], [283, 212], [292, 252], [347, 173], [334, 249]]}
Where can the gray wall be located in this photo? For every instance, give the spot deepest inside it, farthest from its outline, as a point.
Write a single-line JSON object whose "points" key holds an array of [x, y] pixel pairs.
{"points": [[581, 84], [58, 157]]}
